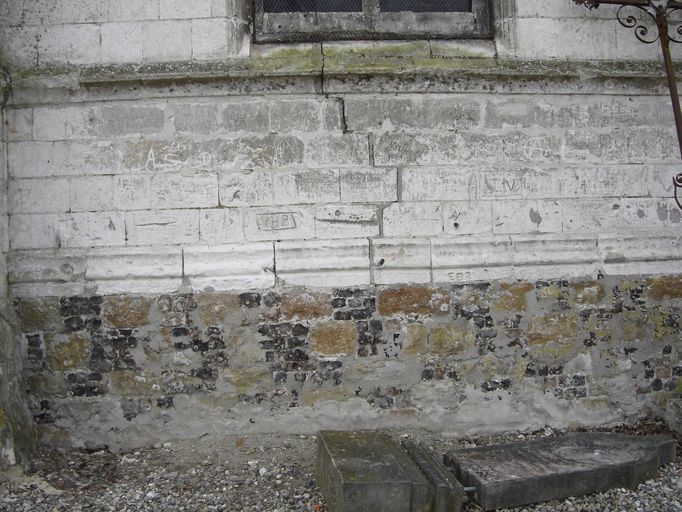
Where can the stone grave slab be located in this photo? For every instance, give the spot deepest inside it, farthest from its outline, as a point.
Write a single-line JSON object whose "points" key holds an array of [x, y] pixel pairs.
{"points": [[369, 472], [516, 474]]}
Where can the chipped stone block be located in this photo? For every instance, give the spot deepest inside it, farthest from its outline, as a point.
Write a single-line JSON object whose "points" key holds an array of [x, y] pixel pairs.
{"points": [[283, 223], [51, 266], [59, 123], [230, 267], [162, 227], [322, 263], [39, 196], [133, 10], [401, 260], [247, 116], [69, 44], [130, 263], [122, 120], [542, 216], [640, 253], [369, 185], [220, 226], [468, 259], [92, 193], [346, 221], [178, 9], [36, 231], [167, 40], [439, 183], [121, 42], [19, 124], [467, 217], [183, 190], [209, 39], [92, 229], [306, 186], [413, 219], [247, 188]]}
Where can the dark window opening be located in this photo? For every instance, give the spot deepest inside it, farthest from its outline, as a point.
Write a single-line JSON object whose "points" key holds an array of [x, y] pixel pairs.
{"points": [[312, 5], [425, 5], [323, 20]]}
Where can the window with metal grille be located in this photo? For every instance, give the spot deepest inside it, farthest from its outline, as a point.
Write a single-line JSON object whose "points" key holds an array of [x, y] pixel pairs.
{"points": [[318, 20]]}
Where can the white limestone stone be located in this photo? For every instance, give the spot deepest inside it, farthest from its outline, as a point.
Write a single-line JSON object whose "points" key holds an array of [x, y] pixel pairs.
{"points": [[92, 229], [162, 227], [322, 263], [230, 267], [401, 260]]}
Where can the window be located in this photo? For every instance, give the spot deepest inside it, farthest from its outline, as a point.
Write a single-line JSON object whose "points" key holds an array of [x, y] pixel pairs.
{"points": [[317, 20]]}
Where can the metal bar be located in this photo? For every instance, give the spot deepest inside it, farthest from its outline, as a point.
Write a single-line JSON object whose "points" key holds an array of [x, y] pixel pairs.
{"points": [[662, 23]]}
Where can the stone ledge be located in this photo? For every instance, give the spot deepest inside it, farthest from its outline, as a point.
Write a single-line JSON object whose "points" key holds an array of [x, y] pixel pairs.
{"points": [[309, 63]]}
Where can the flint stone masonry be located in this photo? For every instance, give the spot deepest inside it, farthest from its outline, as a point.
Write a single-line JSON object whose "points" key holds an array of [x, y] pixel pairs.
{"points": [[522, 473], [478, 357]]}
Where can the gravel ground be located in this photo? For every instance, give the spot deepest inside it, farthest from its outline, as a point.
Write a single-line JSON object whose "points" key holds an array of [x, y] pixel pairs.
{"points": [[264, 473]]}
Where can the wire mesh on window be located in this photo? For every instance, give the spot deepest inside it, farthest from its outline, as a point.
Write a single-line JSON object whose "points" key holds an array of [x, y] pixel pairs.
{"points": [[425, 5], [312, 5]]}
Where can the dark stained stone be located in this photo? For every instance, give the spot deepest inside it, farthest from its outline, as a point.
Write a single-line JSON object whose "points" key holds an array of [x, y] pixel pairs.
{"points": [[517, 474], [368, 472]]}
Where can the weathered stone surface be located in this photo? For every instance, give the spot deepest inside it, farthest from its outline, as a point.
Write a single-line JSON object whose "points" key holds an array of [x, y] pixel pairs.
{"points": [[673, 414], [367, 471], [306, 305], [414, 301], [528, 472], [130, 312], [333, 337], [448, 493], [450, 340]]}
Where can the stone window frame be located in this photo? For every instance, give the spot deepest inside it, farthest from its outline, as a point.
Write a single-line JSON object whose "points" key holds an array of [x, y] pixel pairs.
{"points": [[370, 24]]}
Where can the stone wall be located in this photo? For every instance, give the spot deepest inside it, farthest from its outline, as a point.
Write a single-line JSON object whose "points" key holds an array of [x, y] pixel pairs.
{"points": [[17, 438], [131, 31], [354, 234], [124, 370]]}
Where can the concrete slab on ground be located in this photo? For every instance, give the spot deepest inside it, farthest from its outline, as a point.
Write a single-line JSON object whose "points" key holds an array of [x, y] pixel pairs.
{"points": [[516, 474]]}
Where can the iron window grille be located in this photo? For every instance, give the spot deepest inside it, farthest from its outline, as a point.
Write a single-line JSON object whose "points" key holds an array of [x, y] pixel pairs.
{"points": [[318, 20]]}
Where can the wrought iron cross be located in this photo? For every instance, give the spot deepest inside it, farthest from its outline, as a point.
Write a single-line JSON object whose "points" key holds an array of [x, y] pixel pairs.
{"points": [[660, 11]]}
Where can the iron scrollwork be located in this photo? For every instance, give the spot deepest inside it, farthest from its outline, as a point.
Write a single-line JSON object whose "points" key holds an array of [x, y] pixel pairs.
{"points": [[661, 12]]}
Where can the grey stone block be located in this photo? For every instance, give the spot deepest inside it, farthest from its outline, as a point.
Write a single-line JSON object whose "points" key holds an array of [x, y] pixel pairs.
{"points": [[369, 472], [673, 414], [516, 474]]}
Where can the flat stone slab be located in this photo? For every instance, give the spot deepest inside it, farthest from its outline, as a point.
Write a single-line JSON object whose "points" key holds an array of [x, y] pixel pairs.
{"points": [[516, 474], [369, 472]]}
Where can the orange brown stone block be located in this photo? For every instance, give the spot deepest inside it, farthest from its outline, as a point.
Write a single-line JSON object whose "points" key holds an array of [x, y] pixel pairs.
{"points": [[333, 337], [414, 301]]}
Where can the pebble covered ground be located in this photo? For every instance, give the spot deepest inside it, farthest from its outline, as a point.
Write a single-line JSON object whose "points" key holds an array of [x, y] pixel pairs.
{"points": [[264, 472]]}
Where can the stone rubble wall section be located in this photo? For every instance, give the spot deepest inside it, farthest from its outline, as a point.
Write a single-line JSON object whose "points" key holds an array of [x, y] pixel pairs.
{"points": [[128, 370], [41, 32], [251, 192]]}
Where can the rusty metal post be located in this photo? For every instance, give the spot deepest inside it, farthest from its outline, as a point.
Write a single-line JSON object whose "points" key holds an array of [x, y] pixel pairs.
{"points": [[660, 11]]}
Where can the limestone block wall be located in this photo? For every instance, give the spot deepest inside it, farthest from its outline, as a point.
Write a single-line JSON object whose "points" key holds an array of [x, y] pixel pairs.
{"points": [[17, 438], [81, 32]]}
